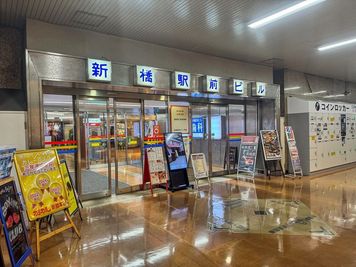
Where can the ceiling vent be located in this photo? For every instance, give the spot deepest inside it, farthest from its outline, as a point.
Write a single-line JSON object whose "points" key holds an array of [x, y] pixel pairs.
{"points": [[88, 19]]}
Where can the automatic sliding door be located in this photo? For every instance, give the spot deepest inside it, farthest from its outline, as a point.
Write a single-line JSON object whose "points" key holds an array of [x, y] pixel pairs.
{"points": [[94, 143]]}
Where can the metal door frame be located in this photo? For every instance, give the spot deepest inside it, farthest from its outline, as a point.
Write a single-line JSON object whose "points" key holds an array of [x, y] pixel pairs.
{"points": [[99, 194]]}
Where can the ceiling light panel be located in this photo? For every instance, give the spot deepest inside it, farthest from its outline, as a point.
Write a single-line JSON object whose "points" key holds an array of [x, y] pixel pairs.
{"points": [[336, 45]]}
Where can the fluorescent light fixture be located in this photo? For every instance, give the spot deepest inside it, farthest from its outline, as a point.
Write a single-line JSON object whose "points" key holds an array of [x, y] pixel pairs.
{"points": [[292, 88], [315, 93], [283, 13], [331, 96], [335, 45]]}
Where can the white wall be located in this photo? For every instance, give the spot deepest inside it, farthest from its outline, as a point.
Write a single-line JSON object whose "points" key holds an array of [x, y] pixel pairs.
{"points": [[60, 39], [13, 132]]}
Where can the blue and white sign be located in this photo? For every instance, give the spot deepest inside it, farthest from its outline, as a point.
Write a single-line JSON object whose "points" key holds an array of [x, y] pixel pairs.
{"points": [[145, 76], [260, 89], [237, 87], [212, 84], [181, 80], [198, 128], [99, 70]]}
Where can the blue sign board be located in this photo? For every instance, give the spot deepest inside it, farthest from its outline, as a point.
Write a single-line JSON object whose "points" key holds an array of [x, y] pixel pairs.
{"points": [[198, 127]]}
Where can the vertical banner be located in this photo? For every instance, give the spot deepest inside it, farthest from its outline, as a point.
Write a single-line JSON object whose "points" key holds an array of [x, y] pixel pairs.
{"points": [[248, 154], [41, 182], [270, 144], [71, 193], [200, 168], [293, 150], [156, 165], [13, 224]]}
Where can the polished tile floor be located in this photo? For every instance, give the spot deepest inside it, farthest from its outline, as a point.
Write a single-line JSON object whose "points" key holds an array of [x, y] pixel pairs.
{"points": [[308, 222]]}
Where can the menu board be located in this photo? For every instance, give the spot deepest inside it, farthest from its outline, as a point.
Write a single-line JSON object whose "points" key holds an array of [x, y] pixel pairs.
{"points": [[199, 165], [175, 151], [41, 182], [6, 156], [293, 150], [156, 164], [179, 119], [13, 224], [248, 153], [71, 193], [270, 144]]}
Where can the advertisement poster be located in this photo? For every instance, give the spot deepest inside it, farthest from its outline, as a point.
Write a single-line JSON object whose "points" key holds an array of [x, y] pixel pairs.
{"points": [[6, 156], [180, 119], [248, 153], [175, 151], [198, 127], [270, 144], [71, 194], [156, 165], [293, 150], [41, 182], [199, 165], [13, 224]]}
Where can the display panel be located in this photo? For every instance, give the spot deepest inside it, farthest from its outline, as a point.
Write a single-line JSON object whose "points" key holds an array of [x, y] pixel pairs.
{"points": [[271, 145], [248, 153], [175, 151], [198, 128], [216, 132]]}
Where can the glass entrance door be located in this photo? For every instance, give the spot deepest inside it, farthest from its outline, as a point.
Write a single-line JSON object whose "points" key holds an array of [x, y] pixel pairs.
{"points": [[128, 149], [219, 141], [94, 162]]}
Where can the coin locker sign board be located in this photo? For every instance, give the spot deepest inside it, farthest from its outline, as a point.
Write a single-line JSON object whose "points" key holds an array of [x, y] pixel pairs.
{"points": [[41, 182]]}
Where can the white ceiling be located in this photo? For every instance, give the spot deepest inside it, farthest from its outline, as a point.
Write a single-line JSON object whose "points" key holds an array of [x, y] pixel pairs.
{"points": [[212, 27]]}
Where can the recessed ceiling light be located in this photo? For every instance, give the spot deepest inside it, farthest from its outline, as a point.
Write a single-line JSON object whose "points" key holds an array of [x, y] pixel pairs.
{"points": [[315, 93], [334, 45], [283, 13], [292, 88]]}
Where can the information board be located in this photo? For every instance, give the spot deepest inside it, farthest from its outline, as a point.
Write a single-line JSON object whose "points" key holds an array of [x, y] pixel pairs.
{"points": [[13, 224], [293, 150], [175, 151], [41, 182], [200, 168], [6, 156], [71, 193], [270, 144], [156, 165], [248, 154], [180, 119]]}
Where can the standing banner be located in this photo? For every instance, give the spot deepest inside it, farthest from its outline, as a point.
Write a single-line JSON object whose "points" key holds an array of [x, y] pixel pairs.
{"points": [[41, 182], [156, 165], [13, 224], [293, 151], [248, 154], [71, 193], [270, 144], [200, 168]]}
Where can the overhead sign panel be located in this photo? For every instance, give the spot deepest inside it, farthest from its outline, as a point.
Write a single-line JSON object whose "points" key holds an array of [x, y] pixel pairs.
{"points": [[99, 70]]}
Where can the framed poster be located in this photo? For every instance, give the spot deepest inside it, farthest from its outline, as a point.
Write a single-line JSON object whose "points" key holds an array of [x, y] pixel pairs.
{"points": [[6, 156], [175, 151], [270, 144], [13, 224], [41, 182], [293, 150], [71, 193], [248, 154], [156, 165], [180, 119], [200, 168]]}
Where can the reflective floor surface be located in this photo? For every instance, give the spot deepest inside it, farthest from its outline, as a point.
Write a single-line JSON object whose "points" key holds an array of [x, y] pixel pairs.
{"points": [[308, 222]]}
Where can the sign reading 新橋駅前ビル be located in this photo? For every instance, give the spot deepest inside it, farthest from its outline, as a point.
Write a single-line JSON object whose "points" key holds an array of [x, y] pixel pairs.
{"points": [[99, 70], [145, 76], [211, 84], [181, 80]]}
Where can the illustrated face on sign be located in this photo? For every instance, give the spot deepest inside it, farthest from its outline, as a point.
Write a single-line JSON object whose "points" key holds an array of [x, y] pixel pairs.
{"points": [[43, 180], [56, 189], [35, 195]]}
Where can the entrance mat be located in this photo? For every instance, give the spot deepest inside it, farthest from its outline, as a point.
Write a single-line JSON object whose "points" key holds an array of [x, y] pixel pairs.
{"points": [[266, 216]]}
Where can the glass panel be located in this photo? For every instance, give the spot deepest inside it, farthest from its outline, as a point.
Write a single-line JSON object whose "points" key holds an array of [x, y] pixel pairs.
{"points": [[94, 152], [218, 131], [200, 131], [59, 128], [236, 128], [251, 118], [128, 136], [156, 113]]}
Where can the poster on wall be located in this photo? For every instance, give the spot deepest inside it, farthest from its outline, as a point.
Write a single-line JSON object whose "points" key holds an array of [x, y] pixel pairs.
{"points": [[200, 168], [198, 127], [175, 151], [293, 150], [248, 154], [180, 119], [270, 144], [41, 182], [71, 193], [13, 223], [6, 156], [156, 165]]}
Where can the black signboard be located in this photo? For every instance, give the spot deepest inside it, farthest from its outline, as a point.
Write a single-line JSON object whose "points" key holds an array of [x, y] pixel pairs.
{"points": [[247, 158], [13, 224]]}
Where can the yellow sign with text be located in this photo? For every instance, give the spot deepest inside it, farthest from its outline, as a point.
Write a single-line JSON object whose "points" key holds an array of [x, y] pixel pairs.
{"points": [[41, 182], [72, 200]]}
